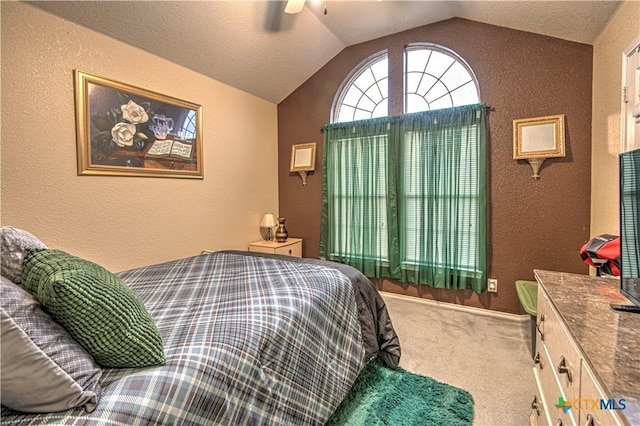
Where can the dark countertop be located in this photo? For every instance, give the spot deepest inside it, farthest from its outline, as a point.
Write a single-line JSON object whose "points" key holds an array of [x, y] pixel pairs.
{"points": [[609, 339]]}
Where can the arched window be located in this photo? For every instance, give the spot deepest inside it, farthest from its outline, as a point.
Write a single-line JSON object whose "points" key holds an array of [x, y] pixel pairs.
{"points": [[404, 197], [365, 92], [434, 77]]}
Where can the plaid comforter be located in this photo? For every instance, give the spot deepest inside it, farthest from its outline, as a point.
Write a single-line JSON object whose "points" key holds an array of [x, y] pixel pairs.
{"points": [[248, 340]]}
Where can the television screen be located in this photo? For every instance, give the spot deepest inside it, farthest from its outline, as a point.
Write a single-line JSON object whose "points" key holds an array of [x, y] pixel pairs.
{"points": [[630, 225]]}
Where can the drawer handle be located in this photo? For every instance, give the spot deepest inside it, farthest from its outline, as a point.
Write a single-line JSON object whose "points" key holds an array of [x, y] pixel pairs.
{"points": [[290, 251], [559, 422], [590, 421], [562, 369], [535, 405], [538, 327], [537, 360]]}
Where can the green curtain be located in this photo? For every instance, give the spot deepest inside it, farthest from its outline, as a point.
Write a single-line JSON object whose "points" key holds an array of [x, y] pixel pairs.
{"points": [[405, 197]]}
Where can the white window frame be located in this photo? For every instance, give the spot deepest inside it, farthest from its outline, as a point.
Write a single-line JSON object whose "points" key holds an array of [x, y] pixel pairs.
{"points": [[353, 75], [440, 49]]}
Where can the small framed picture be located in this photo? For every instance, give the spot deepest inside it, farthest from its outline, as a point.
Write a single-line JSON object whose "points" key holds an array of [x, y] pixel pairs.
{"points": [[538, 137], [303, 157], [123, 130]]}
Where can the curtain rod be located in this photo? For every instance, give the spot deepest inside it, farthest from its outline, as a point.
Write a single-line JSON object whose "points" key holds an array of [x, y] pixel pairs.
{"points": [[488, 107]]}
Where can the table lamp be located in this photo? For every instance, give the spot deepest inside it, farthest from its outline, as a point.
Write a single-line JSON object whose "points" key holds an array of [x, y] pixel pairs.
{"points": [[268, 221]]}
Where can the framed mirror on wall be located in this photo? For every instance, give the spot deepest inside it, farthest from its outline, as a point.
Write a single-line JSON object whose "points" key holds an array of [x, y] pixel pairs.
{"points": [[303, 159], [538, 138]]}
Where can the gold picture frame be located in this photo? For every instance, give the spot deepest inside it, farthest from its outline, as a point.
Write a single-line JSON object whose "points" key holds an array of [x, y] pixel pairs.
{"points": [[538, 137], [123, 130], [303, 157]]}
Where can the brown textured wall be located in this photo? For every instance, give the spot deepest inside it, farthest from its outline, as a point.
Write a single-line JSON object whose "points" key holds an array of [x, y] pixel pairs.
{"points": [[531, 224]]}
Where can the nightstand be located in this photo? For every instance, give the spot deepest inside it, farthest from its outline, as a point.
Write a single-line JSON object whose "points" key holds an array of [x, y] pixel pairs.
{"points": [[291, 247]]}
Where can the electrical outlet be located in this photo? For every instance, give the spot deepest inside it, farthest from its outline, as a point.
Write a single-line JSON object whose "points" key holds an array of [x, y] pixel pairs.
{"points": [[492, 285]]}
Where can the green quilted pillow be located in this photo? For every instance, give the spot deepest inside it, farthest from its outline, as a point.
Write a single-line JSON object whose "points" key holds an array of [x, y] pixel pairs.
{"points": [[104, 315]]}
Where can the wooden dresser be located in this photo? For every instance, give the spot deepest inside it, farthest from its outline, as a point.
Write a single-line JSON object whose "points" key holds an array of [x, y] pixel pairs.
{"points": [[587, 361]]}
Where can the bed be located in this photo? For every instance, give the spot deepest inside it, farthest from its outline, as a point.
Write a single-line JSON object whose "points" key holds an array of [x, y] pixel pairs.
{"points": [[249, 338]]}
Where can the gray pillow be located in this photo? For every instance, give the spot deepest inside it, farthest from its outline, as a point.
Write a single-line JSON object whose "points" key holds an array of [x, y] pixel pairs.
{"points": [[43, 368], [14, 243]]}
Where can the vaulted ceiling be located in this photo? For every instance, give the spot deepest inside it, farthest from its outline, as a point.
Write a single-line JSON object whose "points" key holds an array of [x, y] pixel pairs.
{"points": [[256, 47]]}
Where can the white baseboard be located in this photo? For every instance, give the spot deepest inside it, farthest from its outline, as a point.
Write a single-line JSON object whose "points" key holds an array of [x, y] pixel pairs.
{"points": [[470, 309]]}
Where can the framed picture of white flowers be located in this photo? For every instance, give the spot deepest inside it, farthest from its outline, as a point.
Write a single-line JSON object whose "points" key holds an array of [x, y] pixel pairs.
{"points": [[124, 130]]}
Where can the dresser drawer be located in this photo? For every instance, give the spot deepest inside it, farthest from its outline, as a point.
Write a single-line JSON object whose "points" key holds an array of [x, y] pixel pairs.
{"points": [[540, 319], [552, 391], [592, 394], [539, 410], [260, 249], [291, 247], [563, 354], [290, 250], [554, 380]]}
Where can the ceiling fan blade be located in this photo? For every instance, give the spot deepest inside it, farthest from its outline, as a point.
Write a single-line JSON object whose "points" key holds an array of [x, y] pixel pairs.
{"points": [[294, 6]]}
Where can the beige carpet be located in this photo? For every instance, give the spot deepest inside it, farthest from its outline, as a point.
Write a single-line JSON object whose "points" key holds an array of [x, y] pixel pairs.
{"points": [[487, 355]]}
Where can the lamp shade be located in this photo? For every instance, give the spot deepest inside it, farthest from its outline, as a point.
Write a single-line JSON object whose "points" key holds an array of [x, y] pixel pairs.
{"points": [[268, 221]]}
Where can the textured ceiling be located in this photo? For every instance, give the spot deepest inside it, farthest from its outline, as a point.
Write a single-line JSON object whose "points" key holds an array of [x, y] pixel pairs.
{"points": [[256, 47]]}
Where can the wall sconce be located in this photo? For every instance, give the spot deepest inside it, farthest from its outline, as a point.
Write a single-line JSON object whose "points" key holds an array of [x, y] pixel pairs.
{"points": [[539, 138], [268, 221], [303, 159]]}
